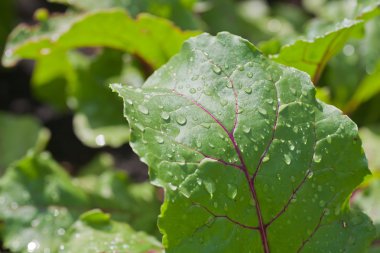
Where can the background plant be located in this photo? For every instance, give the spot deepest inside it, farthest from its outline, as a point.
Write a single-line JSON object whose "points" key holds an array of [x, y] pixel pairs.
{"points": [[78, 52]]}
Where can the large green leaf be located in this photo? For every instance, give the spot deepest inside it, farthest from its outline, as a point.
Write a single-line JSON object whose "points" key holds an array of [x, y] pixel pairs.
{"points": [[249, 160], [39, 202], [153, 39], [96, 232]]}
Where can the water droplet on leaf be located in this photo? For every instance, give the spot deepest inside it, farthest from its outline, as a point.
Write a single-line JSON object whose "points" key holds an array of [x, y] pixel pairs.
{"points": [[287, 159], [216, 69], [181, 120], [165, 115], [159, 139], [210, 188], [317, 158], [231, 191], [143, 109], [262, 111]]}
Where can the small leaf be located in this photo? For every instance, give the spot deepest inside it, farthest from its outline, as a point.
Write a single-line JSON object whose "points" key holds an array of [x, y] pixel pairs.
{"points": [[299, 161], [96, 232]]}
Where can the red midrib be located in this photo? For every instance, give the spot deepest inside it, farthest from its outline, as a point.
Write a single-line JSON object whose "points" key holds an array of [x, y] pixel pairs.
{"points": [[262, 227]]}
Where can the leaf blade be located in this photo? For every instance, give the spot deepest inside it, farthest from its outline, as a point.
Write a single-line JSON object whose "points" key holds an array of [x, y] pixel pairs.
{"points": [[202, 150]]}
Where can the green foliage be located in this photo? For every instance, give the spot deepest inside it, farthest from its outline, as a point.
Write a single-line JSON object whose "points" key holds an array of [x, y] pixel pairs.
{"points": [[18, 134], [154, 39], [312, 55], [244, 151], [39, 202], [249, 159]]}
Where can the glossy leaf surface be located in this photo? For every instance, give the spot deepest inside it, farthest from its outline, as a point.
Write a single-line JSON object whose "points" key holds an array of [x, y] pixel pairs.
{"points": [[245, 153]]}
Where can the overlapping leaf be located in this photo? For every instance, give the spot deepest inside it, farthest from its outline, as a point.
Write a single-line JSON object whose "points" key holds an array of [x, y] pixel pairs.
{"points": [[312, 53], [96, 232], [153, 39], [178, 11], [39, 202], [249, 160]]}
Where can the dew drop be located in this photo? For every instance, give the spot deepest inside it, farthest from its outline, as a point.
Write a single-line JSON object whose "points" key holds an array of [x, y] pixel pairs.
{"points": [[309, 174], [291, 146], [165, 115], [295, 129], [231, 191], [246, 129], [181, 120], [228, 84], [193, 90], [287, 159], [249, 75], [266, 158], [216, 69], [317, 158], [240, 67], [328, 138], [140, 127], [185, 192], [172, 187], [159, 139], [143, 109], [129, 101], [248, 90], [210, 188], [262, 111], [226, 66], [269, 101]]}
